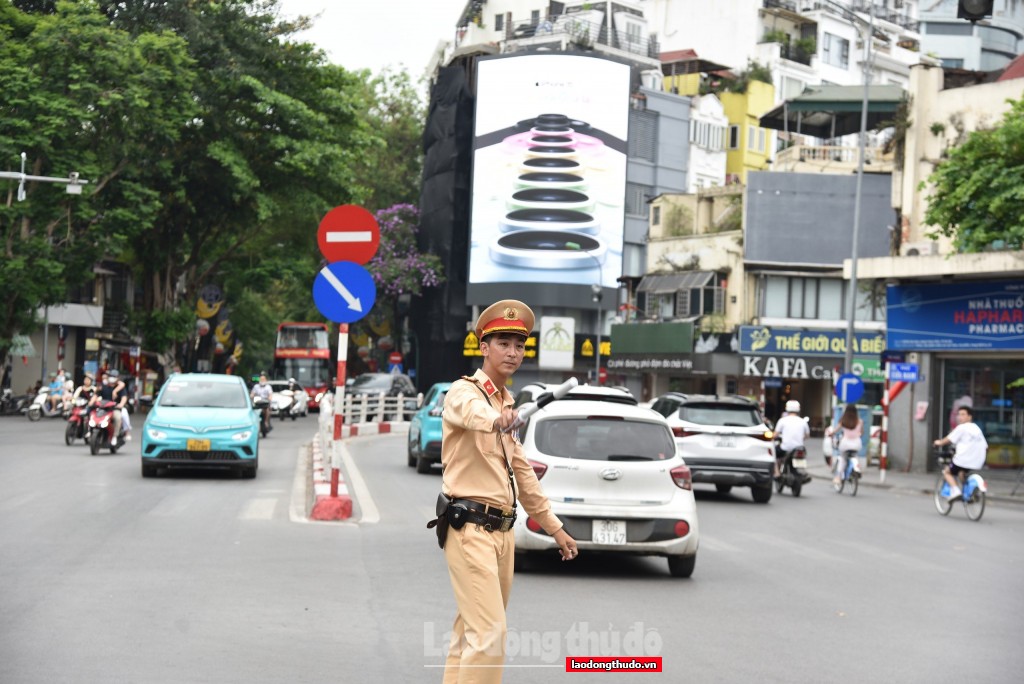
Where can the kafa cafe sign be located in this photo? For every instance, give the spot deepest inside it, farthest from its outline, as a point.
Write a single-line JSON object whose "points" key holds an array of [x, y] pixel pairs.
{"points": [[762, 340]]}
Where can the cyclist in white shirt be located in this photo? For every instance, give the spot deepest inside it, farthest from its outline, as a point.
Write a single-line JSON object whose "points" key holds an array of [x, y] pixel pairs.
{"points": [[971, 447]]}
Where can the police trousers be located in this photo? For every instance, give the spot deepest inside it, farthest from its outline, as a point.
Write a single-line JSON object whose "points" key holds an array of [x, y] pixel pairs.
{"points": [[480, 564]]}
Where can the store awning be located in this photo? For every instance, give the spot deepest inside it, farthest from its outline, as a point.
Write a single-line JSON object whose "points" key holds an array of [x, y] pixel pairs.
{"points": [[834, 111], [674, 282]]}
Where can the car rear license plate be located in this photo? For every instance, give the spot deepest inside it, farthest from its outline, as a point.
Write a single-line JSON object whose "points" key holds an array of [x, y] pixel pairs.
{"points": [[799, 462], [725, 441], [198, 445], [609, 532]]}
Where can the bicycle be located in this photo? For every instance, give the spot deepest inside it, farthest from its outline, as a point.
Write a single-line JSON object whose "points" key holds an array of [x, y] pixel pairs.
{"points": [[850, 475], [972, 486]]}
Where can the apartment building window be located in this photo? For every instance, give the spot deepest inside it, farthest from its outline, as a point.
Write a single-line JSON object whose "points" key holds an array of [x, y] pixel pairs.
{"points": [[535, 17], [643, 135], [760, 140], [690, 294], [820, 299], [734, 137], [636, 199], [499, 22], [656, 216], [836, 51], [751, 137]]}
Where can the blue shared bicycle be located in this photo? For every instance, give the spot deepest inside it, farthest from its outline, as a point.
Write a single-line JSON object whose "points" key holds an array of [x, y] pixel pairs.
{"points": [[973, 487]]}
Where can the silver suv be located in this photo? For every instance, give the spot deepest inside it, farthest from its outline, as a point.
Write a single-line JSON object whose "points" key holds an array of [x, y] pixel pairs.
{"points": [[724, 440]]}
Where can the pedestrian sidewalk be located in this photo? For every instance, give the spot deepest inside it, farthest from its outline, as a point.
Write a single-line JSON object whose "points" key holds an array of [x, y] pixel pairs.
{"points": [[1001, 482]]}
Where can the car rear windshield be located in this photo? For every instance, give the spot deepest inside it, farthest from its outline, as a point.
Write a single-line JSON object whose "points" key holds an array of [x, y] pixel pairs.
{"points": [[598, 439], [720, 414], [191, 393], [381, 383]]}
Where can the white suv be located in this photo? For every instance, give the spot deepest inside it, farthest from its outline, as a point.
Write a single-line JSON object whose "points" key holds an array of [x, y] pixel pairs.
{"points": [[724, 440], [614, 476]]}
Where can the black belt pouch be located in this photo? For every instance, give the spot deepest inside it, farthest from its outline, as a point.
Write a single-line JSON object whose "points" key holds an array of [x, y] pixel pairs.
{"points": [[440, 524]]}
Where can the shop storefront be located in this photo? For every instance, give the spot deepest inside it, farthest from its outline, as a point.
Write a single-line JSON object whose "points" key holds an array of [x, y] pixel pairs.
{"points": [[779, 364], [971, 335]]}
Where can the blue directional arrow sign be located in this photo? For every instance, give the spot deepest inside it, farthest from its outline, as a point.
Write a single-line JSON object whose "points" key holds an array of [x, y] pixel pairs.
{"points": [[344, 292], [849, 388]]}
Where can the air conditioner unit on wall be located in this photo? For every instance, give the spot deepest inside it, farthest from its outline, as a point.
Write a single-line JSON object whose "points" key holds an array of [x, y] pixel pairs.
{"points": [[922, 248]]}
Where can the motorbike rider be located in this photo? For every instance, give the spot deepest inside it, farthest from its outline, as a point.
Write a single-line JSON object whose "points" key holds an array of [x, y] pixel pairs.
{"points": [[56, 387], [113, 390], [86, 390], [262, 390], [791, 430]]}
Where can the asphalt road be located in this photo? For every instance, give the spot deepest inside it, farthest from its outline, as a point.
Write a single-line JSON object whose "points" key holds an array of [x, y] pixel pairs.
{"points": [[197, 577]]}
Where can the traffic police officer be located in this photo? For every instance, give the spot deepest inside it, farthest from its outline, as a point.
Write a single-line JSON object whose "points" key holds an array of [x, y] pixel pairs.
{"points": [[479, 455]]}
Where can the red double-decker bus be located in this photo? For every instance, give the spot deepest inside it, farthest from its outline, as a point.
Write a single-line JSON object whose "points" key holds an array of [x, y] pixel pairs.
{"points": [[303, 352]]}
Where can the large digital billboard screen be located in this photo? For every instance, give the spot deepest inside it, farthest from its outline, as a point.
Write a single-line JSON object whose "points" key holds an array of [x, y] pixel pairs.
{"points": [[549, 178]]}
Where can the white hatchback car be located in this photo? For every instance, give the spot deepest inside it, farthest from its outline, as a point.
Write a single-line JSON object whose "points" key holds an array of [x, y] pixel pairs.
{"points": [[614, 476]]}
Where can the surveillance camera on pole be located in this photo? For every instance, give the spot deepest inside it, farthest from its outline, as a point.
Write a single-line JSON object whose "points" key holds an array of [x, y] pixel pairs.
{"points": [[974, 10]]}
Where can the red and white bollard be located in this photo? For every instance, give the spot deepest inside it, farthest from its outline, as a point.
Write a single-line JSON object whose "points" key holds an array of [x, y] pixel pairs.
{"points": [[335, 507]]}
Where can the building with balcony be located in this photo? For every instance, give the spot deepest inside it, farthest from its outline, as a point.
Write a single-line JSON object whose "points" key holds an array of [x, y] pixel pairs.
{"points": [[802, 42]]}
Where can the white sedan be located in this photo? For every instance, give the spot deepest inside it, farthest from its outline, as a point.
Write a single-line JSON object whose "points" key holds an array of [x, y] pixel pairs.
{"points": [[614, 477]]}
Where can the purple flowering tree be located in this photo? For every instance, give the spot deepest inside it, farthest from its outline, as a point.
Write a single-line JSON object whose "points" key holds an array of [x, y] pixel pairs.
{"points": [[398, 269]]}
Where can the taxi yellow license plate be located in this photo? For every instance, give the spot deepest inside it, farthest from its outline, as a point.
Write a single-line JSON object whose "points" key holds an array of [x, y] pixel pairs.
{"points": [[198, 445]]}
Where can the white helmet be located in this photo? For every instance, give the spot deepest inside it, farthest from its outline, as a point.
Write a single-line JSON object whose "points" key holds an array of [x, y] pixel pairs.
{"points": [[792, 406]]}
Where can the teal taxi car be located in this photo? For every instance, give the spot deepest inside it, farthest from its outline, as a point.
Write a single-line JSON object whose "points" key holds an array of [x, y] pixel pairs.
{"points": [[201, 420], [425, 429]]}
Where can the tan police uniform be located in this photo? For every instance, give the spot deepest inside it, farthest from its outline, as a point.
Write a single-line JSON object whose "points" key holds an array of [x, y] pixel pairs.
{"points": [[480, 561]]}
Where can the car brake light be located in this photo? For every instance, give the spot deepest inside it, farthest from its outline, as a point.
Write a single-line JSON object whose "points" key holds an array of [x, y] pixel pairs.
{"points": [[682, 528], [682, 477], [534, 526], [683, 432], [538, 468]]}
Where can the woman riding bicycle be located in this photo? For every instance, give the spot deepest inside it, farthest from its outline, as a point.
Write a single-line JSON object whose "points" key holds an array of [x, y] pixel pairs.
{"points": [[851, 432], [971, 447]]}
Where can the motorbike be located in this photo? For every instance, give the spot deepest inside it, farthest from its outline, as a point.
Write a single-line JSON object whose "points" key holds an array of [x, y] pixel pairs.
{"points": [[101, 428], [11, 403], [262, 407], [40, 407], [288, 405], [78, 422], [792, 470]]}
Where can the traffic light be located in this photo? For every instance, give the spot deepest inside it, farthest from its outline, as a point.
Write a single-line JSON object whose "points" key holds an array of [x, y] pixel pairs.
{"points": [[973, 10]]}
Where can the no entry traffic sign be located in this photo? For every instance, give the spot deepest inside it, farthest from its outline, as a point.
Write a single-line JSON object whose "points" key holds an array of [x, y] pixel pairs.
{"points": [[344, 292], [348, 233]]}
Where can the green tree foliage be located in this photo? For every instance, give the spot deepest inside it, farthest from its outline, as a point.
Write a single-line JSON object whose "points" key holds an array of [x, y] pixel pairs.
{"points": [[390, 170], [214, 144], [977, 194], [80, 95]]}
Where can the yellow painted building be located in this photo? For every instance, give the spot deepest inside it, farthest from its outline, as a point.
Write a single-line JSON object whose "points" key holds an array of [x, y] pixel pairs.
{"points": [[748, 146]]}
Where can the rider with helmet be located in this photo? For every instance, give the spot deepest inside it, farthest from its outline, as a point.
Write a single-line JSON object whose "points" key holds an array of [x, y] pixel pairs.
{"points": [[112, 389], [791, 430], [262, 390]]}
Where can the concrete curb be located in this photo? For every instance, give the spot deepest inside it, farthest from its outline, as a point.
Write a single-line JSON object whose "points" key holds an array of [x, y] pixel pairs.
{"points": [[912, 489], [352, 490]]}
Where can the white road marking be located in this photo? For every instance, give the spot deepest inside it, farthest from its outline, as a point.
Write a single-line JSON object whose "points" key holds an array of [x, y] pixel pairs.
{"points": [[259, 509]]}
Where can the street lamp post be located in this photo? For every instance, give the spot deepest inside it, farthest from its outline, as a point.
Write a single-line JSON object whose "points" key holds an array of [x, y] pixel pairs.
{"points": [[852, 295]]}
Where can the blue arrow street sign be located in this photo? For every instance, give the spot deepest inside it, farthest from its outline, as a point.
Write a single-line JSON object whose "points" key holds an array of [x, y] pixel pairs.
{"points": [[344, 292], [849, 388]]}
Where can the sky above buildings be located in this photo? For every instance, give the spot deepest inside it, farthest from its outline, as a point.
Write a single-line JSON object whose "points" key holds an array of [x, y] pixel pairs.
{"points": [[378, 33]]}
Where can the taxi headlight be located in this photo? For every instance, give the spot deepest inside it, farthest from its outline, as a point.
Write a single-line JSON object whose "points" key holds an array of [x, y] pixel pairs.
{"points": [[156, 434], [242, 436]]}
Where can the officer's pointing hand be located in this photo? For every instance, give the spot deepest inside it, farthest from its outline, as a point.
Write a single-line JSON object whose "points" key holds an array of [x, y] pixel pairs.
{"points": [[566, 545]]}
